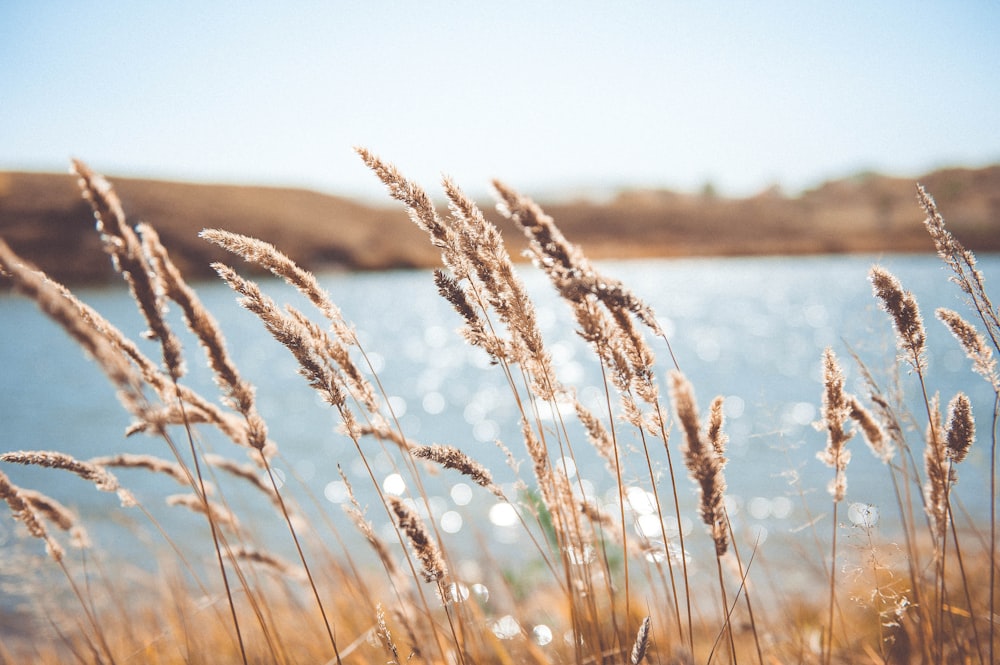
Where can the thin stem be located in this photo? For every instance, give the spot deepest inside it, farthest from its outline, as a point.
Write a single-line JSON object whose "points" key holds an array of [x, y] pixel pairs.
{"points": [[965, 584], [666, 545], [743, 576], [203, 495], [727, 613], [302, 557], [833, 577], [680, 530], [993, 520], [87, 610], [613, 431]]}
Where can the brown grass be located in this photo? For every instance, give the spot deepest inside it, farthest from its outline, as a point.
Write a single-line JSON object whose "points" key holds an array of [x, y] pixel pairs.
{"points": [[613, 593]]}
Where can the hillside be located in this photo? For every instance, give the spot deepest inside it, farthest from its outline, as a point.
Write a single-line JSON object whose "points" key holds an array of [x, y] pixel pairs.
{"points": [[44, 219]]}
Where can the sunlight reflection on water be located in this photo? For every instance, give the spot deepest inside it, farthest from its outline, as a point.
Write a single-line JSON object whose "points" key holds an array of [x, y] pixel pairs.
{"points": [[751, 329]]}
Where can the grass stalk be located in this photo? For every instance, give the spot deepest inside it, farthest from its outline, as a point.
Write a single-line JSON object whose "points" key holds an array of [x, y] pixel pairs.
{"points": [[591, 565], [993, 523], [302, 558], [828, 640], [199, 487]]}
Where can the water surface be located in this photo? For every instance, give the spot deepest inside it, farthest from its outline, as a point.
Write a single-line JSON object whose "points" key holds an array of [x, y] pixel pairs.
{"points": [[752, 330]]}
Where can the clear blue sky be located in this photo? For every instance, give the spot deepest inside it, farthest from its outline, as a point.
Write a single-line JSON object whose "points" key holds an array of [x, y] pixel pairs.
{"points": [[544, 95]]}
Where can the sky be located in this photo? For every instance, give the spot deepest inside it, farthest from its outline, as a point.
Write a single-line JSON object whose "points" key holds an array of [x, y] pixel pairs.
{"points": [[554, 98]]}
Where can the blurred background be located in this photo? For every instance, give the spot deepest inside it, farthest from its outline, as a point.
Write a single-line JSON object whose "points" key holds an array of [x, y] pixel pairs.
{"points": [[556, 97]]}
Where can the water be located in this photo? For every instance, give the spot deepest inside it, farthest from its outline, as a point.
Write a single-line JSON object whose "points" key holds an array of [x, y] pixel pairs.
{"points": [[750, 329]]}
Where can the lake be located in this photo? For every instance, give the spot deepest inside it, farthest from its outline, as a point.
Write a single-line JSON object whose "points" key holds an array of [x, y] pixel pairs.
{"points": [[750, 329]]}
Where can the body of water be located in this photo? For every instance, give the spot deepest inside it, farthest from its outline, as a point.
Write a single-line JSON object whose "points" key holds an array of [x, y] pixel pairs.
{"points": [[752, 330]]}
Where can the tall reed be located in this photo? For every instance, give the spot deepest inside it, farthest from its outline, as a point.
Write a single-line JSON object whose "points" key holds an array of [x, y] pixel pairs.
{"points": [[617, 579]]}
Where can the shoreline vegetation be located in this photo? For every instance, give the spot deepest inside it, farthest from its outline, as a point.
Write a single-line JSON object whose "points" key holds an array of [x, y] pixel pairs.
{"points": [[613, 584], [44, 220]]}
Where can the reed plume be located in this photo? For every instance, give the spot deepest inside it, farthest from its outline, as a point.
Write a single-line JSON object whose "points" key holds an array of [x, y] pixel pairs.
{"points": [[714, 433], [564, 262], [453, 458], [475, 331], [102, 479], [970, 280], [960, 429], [248, 473], [218, 512], [113, 352], [292, 334], [472, 249], [641, 643], [581, 284], [147, 462], [875, 436], [431, 560], [384, 636], [902, 308], [599, 436], [125, 248], [963, 264], [973, 343], [482, 245], [938, 475], [421, 211], [836, 409], [22, 510], [59, 515], [315, 353], [52, 510], [381, 430], [271, 561], [604, 309], [49, 296], [269, 257], [237, 392], [705, 462]]}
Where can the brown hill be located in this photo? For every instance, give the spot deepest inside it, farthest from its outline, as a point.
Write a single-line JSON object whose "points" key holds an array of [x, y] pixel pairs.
{"points": [[44, 219], [866, 213]]}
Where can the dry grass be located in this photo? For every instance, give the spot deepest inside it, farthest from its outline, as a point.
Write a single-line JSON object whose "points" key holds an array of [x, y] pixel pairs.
{"points": [[617, 593]]}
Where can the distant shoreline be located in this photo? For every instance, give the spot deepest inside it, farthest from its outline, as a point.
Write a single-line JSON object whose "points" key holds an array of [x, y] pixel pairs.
{"points": [[44, 219]]}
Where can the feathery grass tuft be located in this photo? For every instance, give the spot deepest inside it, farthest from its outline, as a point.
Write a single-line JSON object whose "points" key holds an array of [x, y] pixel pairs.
{"points": [[594, 567]]}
